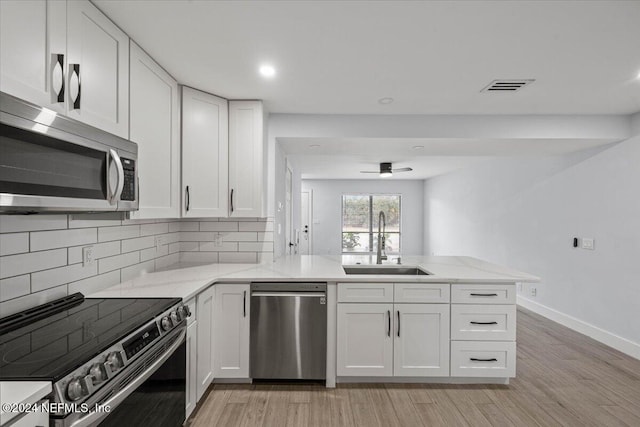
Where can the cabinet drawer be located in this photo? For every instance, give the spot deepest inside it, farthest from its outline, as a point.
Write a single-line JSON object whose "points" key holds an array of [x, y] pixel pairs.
{"points": [[483, 359], [421, 292], [365, 292], [192, 308], [483, 294], [483, 322]]}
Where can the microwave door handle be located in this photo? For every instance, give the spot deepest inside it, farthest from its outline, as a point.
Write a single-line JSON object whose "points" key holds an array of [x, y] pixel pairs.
{"points": [[115, 159]]}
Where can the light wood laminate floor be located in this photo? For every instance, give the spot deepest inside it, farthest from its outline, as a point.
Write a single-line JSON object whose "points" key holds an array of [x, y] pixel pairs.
{"points": [[563, 379]]}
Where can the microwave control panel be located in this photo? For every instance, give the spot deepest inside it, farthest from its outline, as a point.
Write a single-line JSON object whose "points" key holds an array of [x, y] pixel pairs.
{"points": [[129, 189]]}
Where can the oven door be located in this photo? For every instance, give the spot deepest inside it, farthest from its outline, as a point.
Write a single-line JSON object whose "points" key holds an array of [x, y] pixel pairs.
{"points": [[150, 392]]}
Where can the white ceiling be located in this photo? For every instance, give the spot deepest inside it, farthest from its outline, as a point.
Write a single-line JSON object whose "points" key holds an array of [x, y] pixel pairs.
{"points": [[431, 57], [344, 158]]}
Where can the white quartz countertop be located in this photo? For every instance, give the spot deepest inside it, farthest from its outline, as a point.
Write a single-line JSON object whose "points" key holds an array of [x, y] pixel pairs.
{"points": [[185, 281], [20, 392]]}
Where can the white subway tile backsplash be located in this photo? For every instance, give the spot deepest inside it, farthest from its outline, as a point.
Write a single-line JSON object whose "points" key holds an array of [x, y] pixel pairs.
{"points": [[241, 236], [199, 257], [43, 240], [152, 229], [95, 283], [154, 252], [136, 270], [61, 275], [174, 247], [197, 236], [14, 243], [16, 223], [118, 261], [238, 257], [189, 246], [14, 265], [256, 226], [100, 250], [172, 238], [130, 245], [226, 247], [94, 220], [31, 300], [255, 246], [166, 261], [189, 226], [219, 226], [265, 237], [14, 287], [106, 234]]}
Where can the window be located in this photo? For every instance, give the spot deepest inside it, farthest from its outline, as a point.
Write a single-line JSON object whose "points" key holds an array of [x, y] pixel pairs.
{"points": [[360, 213]]}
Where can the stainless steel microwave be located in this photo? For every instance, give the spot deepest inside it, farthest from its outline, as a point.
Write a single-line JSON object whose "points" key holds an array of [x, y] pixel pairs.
{"points": [[51, 163]]}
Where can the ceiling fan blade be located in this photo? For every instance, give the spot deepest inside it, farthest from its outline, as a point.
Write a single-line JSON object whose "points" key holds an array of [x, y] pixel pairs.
{"points": [[369, 171], [402, 170]]}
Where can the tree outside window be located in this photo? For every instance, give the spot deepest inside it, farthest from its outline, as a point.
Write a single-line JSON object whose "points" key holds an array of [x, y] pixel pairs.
{"points": [[360, 213]]}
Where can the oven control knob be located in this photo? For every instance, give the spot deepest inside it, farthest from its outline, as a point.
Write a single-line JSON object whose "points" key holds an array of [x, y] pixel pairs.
{"points": [[114, 361], [75, 390], [98, 372], [183, 311], [166, 323], [175, 317]]}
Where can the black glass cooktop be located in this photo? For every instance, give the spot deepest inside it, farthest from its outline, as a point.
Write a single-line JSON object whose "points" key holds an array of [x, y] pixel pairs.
{"points": [[48, 344]]}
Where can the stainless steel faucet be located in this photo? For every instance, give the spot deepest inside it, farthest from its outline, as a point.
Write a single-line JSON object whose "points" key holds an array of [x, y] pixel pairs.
{"points": [[382, 255]]}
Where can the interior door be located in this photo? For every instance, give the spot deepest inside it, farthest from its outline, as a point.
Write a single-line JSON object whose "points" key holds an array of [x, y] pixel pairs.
{"points": [[306, 214]]}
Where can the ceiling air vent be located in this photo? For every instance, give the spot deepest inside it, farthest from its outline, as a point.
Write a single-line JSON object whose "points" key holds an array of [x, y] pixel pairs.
{"points": [[507, 85]]}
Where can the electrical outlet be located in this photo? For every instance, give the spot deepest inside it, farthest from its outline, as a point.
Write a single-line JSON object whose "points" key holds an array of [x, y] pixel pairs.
{"points": [[160, 240], [533, 291], [217, 241], [588, 243], [87, 256]]}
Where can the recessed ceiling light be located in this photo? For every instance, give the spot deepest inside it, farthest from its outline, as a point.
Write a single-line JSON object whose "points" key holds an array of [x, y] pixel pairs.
{"points": [[267, 71], [385, 101], [418, 147], [314, 146]]}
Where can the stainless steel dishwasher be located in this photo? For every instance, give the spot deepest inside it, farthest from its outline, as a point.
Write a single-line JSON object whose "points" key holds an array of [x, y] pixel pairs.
{"points": [[288, 331]]}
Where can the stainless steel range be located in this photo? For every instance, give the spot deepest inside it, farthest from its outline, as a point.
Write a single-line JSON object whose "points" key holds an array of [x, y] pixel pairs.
{"points": [[111, 361]]}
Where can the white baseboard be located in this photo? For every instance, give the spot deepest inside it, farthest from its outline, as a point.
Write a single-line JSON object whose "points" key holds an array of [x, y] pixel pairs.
{"points": [[423, 380], [621, 344]]}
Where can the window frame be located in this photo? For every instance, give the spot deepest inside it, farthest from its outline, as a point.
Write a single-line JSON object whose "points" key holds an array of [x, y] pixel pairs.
{"points": [[371, 231]]}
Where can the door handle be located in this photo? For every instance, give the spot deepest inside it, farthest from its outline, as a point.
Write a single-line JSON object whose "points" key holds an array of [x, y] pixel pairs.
{"points": [[232, 200], [244, 304], [388, 323], [398, 322], [74, 70], [187, 199], [57, 77]]}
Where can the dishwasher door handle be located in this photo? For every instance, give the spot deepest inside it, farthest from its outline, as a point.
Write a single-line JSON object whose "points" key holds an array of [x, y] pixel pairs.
{"points": [[288, 294]]}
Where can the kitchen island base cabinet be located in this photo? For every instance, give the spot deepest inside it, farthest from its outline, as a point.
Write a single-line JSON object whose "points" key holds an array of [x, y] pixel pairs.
{"points": [[231, 331], [205, 341]]}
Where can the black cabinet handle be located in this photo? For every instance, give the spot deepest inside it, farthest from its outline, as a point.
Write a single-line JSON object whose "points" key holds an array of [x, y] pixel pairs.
{"points": [[398, 322], [484, 295], [232, 200], [388, 323], [187, 198], [483, 323], [244, 304], [473, 359], [75, 69]]}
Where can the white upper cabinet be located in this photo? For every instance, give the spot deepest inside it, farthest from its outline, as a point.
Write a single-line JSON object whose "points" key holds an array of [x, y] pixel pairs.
{"points": [[155, 127], [33, 51], [246, 159], [205, 154], [98, 69]]}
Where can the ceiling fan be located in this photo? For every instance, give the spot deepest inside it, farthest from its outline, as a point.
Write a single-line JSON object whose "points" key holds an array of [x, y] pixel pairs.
{"points": [[386, 170]]}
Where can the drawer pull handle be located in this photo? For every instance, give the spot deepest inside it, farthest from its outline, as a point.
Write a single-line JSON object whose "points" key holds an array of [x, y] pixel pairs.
{"points": [[473, 359], [483, 323], [484, 295]]}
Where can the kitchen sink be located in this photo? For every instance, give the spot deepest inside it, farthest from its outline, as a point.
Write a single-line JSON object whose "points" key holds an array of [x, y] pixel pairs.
{"points": [[388, 270]]}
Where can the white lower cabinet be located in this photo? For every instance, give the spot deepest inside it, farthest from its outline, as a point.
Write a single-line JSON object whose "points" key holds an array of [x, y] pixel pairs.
{"points": [[205, 341], [493, 359], [421, 347], [365, 342], [33, 419], [192, 360], [382, 340], [231, 330]]}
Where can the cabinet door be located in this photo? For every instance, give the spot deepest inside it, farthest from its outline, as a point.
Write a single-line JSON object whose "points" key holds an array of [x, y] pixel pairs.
{"points": [[231, 331], [33, 419], [205, 155], [192, 380], [32, 35], [154, 125], [99, 90], [421, 347], [246, 159], [365, 343], [204, 342]]}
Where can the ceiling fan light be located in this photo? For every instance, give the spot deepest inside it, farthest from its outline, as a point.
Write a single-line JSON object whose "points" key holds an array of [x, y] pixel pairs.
{"points": [[385, 170]]}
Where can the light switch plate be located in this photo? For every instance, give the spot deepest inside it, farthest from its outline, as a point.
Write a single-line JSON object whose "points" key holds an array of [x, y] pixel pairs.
{"points": [[87, 256], [588, 243], [217, 241]]}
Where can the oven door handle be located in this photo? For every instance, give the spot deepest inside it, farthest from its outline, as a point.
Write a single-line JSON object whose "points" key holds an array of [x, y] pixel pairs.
{"points": [[118, 398]]}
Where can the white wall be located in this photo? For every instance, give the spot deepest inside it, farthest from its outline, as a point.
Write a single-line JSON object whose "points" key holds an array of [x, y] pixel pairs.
{"points": [[524, 213], [327, 211]]}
